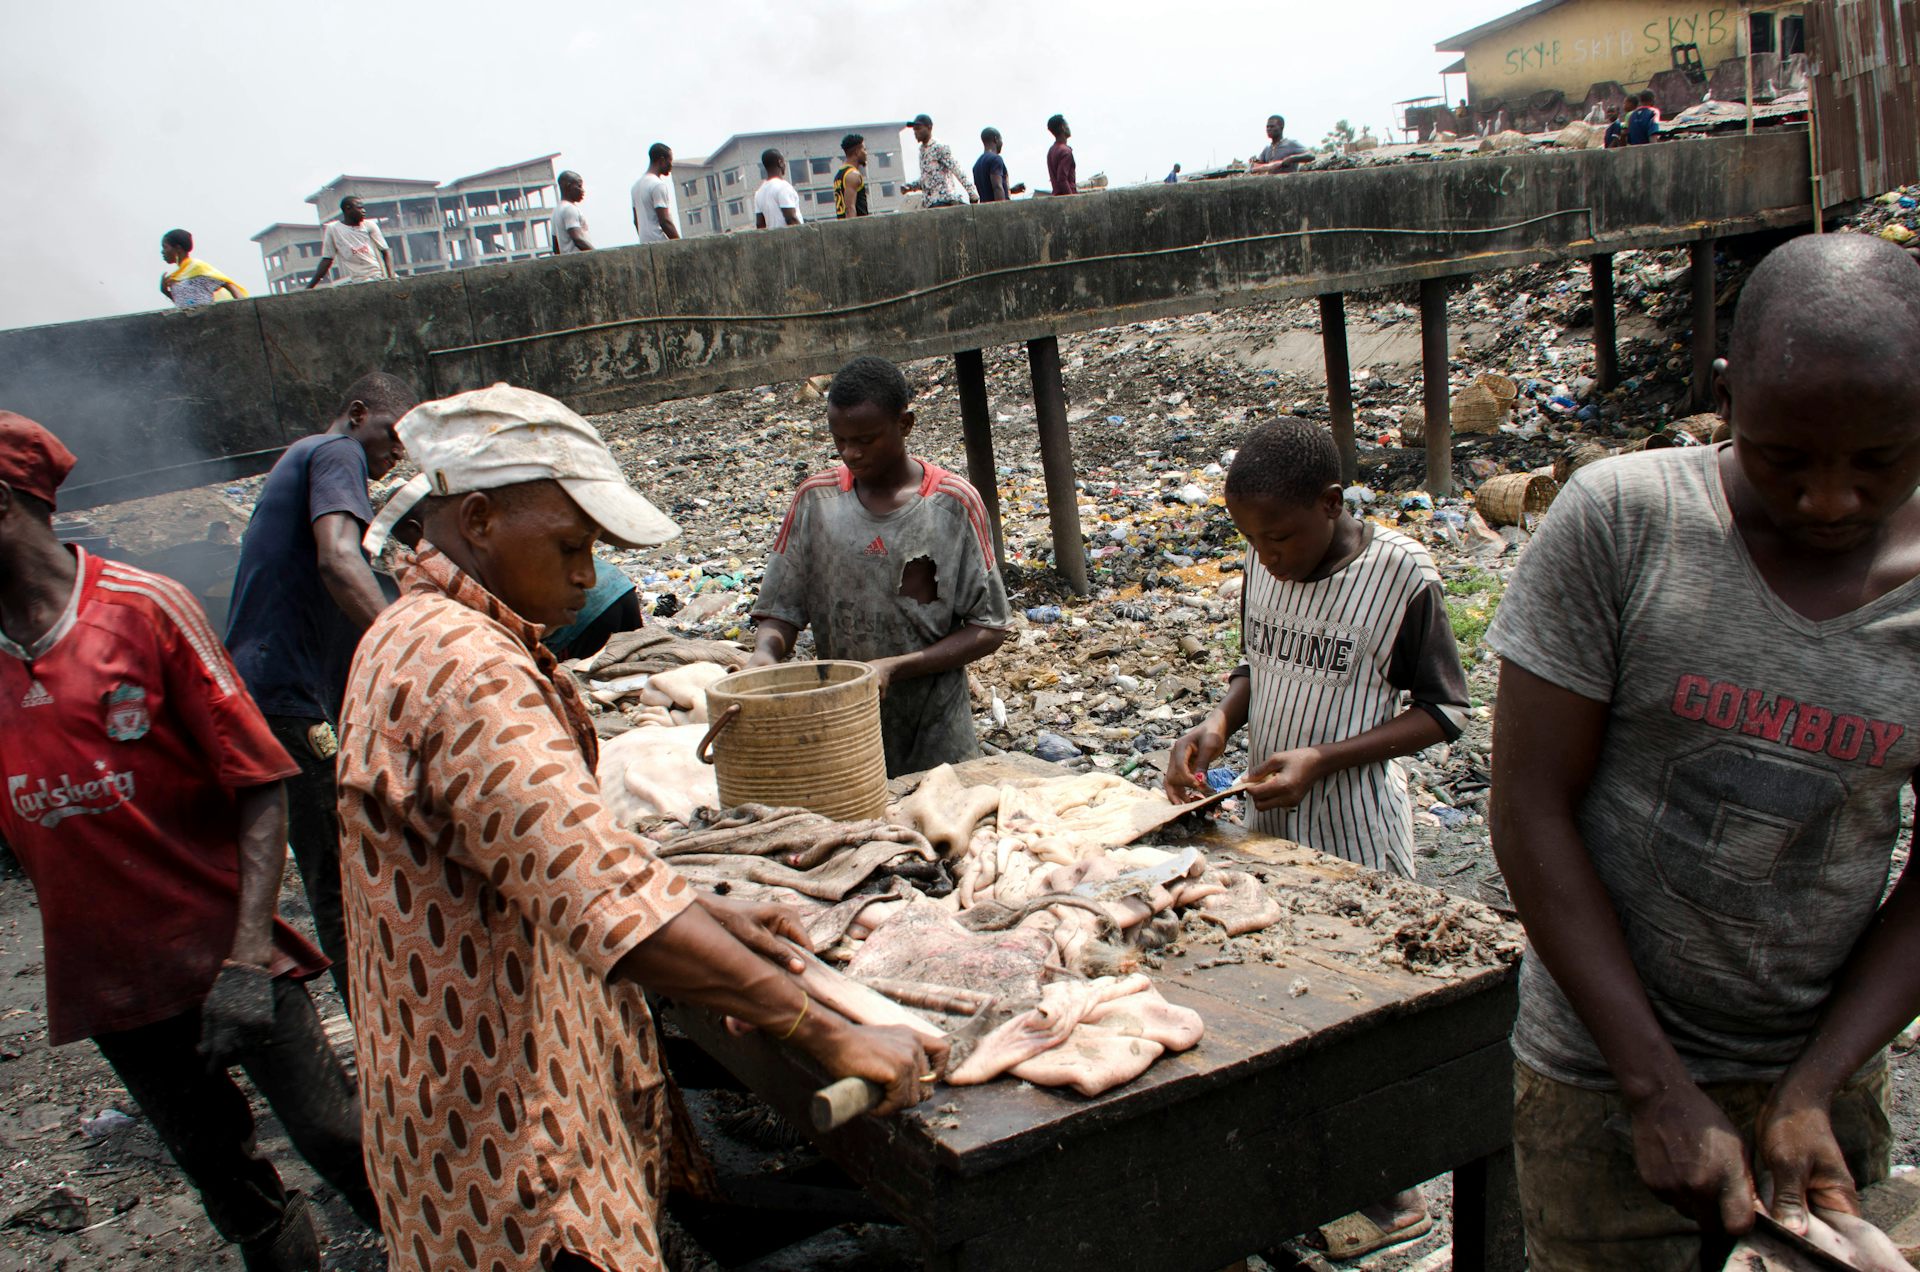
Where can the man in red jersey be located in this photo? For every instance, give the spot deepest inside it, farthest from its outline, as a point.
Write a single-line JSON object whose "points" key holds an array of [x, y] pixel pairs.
{"points": [[144, 799]]}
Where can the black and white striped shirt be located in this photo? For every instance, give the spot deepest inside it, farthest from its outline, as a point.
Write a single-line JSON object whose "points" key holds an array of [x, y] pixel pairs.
{"points": [[1338, 655]]}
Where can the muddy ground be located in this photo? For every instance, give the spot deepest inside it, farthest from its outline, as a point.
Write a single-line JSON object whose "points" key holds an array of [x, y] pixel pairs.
{"points": [[1106, 682]]}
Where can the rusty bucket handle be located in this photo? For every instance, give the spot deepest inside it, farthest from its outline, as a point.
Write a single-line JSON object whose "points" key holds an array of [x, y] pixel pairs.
{"points": [[705, 749]]}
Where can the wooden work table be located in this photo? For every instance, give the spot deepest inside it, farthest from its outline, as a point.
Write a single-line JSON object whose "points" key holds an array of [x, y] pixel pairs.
{"points": [[1293, 1110]]}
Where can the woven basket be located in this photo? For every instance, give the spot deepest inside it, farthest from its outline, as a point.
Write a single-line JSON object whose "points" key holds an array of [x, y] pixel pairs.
{"points": [[1576, 456], [1652, 441], [1413, 426], [1477, 410], [1501, 386], [1515, 499], [800, 735], [1702, 428]]}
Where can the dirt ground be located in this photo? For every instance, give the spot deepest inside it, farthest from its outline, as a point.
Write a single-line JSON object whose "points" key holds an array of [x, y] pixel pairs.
{"points": [[1111, 678]]}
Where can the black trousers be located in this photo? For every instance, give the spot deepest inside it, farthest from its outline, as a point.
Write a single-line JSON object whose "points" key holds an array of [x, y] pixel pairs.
{"points": [[313, 831], [204, 1120]]}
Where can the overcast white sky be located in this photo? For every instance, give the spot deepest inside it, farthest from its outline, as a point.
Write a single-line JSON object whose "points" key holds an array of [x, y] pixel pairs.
{"points": [[119, 121]]}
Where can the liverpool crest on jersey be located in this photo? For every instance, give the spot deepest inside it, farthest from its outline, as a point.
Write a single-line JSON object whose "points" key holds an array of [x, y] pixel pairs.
{"points": [[127, 719]]}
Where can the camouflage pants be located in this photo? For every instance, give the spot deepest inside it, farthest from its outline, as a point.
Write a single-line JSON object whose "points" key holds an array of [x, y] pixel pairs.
{"points": [[1582, 1200]]}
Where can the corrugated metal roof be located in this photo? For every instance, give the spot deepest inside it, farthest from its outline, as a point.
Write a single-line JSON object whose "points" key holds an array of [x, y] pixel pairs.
{"points": [[1864, 60]]}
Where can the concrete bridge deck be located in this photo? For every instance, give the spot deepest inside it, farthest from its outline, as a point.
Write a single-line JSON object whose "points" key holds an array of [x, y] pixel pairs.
{"points": [[159, 401]]}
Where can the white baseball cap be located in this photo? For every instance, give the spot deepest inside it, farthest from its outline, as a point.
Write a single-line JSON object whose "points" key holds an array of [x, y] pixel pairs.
{"points": [[503, 436]]}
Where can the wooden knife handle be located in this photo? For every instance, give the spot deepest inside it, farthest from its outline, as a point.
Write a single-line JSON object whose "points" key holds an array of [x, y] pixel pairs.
{"points": [[839, 1103]]}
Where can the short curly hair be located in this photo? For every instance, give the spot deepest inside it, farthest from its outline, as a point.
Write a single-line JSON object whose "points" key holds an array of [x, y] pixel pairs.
{"points": [[1291, 459], [870, 379]]}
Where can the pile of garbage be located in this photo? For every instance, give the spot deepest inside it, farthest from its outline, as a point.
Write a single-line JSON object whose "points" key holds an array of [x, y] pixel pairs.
{"points": [[1105, 683], [1894, 216]]}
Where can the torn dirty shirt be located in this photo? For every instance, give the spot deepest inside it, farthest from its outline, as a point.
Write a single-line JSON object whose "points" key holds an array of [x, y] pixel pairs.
{"points": [[875, 586]]}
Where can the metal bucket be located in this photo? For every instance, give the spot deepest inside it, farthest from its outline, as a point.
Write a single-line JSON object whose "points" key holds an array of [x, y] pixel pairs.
{"points": [[799, 735]]}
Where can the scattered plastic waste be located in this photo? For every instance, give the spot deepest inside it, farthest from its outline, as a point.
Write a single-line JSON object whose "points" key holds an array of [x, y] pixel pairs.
{"points": [[1053, 747], [106, 1123]]}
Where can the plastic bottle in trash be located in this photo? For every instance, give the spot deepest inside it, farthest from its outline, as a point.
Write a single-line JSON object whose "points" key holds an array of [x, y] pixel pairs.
{"points": [[1044, 614]]}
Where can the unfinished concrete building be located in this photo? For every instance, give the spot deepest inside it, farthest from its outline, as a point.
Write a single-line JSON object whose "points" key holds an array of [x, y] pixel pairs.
{"points": [[716, 193], [1540, 66], [502, 214]]}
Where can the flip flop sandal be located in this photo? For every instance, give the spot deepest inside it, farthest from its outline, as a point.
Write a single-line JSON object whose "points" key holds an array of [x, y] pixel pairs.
{"points": [[1355, 1236]]}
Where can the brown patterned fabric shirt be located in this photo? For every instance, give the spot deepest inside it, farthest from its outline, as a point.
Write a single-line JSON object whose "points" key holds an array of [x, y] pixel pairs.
{"points": [[512, 1099]]}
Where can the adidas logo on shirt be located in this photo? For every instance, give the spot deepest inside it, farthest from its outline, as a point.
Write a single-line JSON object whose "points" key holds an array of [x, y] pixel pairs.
{"points": [[37, 696], [876, 548]]}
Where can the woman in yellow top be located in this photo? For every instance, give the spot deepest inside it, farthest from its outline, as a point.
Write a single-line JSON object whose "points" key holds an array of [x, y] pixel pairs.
{"points": [[192, 283]]}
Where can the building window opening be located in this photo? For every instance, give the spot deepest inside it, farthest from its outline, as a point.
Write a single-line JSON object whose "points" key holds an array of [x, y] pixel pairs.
{"points": [[1793, 36]]}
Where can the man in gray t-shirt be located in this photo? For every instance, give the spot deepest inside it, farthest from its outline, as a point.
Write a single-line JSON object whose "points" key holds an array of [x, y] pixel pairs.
{"points": [[1708, 707], [1281, 153], [890, 560]]}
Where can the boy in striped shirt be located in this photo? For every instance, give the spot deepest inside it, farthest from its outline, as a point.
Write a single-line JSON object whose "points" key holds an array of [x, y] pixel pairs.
{"points": [[1350, 661], [1350, 664], [890, 560]]}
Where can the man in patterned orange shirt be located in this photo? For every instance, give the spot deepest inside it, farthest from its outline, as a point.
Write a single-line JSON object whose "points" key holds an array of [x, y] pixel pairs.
{"points": [[501, 923]]}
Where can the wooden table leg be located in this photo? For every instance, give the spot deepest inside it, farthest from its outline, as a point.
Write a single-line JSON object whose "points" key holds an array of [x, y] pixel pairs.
{"points": [[1487, 1235]]}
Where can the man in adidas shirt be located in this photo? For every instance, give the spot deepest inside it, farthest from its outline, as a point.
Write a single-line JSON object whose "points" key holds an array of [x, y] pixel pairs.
{"points": [[889, 559], [144, 798]]}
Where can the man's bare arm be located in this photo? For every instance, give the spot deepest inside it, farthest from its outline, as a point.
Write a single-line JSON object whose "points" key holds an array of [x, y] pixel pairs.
{"points": [[956, 649], [773, 642], [262, 815], [344, 570], [1874, 997], [667, 227], [1546, 749], [326, 263], [696, 960]]}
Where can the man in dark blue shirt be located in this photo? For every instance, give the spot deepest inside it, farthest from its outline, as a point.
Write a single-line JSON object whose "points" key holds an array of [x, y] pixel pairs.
{"points": [[990, 170], [1643, 123], [301, 597]]}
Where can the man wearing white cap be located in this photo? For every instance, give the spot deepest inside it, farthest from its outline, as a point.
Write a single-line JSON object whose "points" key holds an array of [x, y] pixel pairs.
{"points": [[501, 923]]}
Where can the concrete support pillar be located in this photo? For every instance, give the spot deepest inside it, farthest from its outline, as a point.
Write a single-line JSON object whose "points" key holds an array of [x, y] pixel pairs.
{"points": [[1056, 461], [1333, 343], [1705, 338], [1606, 340], [976, 425], [1433, 372]]}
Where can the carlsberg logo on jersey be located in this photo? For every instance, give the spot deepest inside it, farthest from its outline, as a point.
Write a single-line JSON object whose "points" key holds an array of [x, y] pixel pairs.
{"points": [[50, 803]]}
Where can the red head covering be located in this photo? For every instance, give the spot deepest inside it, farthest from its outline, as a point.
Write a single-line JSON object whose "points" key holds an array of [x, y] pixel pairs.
{"points": [[32, 460]]}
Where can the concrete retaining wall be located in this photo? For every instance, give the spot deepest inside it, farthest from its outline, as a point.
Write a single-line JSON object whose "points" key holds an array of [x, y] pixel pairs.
{"points": [[153, 402]]}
